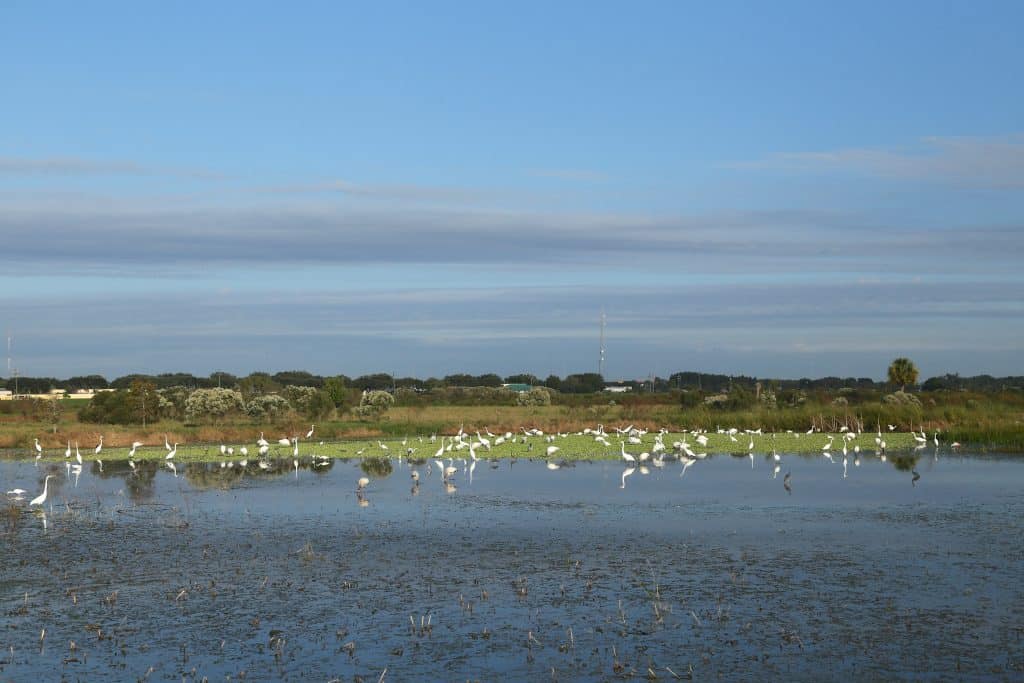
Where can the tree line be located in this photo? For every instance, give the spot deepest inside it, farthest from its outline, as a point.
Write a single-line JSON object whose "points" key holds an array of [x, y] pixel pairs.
{"points": [[582, 383]]}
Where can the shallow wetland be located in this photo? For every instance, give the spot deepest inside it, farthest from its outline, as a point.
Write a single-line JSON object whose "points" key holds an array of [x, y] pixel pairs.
{"points": [[906, 569]]}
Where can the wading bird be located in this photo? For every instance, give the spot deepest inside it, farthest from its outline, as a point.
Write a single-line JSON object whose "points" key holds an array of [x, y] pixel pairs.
{"points": [[39, 449], [41, 498], [173, 452]]}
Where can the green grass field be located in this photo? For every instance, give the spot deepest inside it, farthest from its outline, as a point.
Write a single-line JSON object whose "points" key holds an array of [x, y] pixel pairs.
{"points": [[570, 447]]}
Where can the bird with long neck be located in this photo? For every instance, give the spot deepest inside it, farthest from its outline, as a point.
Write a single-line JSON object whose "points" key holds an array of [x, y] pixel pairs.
{"points": [[41, 498]]}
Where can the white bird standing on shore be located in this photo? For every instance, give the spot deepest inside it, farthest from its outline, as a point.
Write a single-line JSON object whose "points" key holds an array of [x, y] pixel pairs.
{"points": [[39, 449], [173, 452], [99, 447]]}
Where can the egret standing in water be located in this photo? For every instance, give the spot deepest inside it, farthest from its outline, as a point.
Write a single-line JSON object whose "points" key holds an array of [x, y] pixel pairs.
{"points": [[100, 447], [39, 449], [41, 498]]}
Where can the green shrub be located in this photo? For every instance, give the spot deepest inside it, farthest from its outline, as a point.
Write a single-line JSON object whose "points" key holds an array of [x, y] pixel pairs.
{"points": [[267, 406], [902, 398], [537, 396], [212, 404]]}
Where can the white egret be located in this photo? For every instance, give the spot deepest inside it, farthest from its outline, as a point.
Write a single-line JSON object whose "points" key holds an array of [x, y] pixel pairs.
{"points": [[173, 452], [363, 483], [39, 449], [309, 434], [551, 450], [100, 446], [67, 453], [628, 457], [41, 498]]}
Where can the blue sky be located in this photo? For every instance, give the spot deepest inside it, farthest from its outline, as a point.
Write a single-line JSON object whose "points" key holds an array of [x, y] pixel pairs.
{"points": [[779, 189]]}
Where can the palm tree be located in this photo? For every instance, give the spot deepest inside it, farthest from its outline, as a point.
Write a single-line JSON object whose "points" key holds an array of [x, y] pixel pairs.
{"points": [[902, 371]]}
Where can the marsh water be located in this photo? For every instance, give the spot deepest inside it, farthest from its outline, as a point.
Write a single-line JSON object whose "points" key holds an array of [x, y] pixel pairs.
{"points": [[906, 569]]}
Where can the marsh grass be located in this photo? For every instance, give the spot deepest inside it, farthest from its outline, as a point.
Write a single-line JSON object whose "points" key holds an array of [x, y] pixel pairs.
{"points": [[989, 421]]}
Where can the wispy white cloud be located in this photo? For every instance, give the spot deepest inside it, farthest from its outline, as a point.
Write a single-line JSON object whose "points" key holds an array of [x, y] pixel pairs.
{"points": [[388, 192], [575, 174], [73, 166], [972, 161]]}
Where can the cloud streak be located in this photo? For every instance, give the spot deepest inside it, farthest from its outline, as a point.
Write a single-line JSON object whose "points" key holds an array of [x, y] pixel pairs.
{"points": [[784, 241], [968, 161], [72, 166]]}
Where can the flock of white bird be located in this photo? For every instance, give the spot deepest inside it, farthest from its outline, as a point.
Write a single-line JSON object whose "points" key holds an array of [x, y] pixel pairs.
{"points": [[450, 447]]}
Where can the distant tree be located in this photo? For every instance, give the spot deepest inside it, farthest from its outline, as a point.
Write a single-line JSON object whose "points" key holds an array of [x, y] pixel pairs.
{"points": [[337, 390], [126, 381], [553, 382], [257, 383], [902, 372], [144, 400], [308, 401], [488, 380], [585, 383], [49, 410], [290, 378], [378, 381], [524, 378], [87, 382], [32, 385], [108, 407], [224, 380]]}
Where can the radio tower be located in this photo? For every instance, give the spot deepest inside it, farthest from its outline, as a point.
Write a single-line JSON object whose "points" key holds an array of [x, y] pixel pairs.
{"points": [[600, 357]]}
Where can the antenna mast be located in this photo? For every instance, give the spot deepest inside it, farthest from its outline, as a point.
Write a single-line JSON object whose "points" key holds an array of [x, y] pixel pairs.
{"points": [[600, 358]]}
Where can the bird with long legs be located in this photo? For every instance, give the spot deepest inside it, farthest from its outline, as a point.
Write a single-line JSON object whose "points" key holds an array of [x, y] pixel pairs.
{"points": [[41, 498]]}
